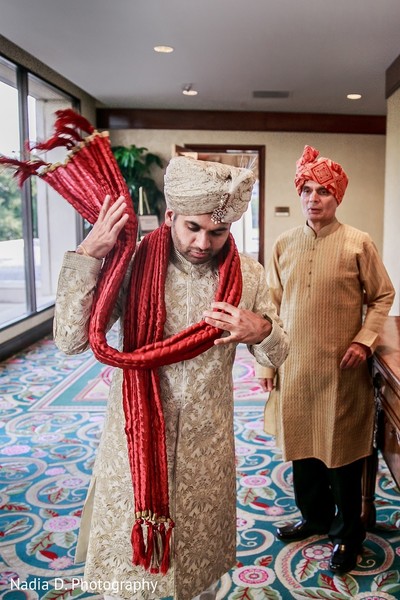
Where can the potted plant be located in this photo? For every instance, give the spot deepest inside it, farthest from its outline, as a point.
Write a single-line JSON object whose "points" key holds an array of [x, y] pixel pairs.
{"points": [[136, 165]]}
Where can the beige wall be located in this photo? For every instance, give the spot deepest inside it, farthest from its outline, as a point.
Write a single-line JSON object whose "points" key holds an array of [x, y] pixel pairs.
{"points": [[391, 246], [362, 156]]}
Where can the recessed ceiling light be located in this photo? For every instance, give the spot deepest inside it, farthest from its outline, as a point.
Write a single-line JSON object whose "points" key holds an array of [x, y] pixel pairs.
{"points": [[354, 96], [189, 91], [164, 49]]}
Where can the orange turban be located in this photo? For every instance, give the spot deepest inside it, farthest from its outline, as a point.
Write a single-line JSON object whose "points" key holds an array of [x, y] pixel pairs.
{"points": [[322, 170]]}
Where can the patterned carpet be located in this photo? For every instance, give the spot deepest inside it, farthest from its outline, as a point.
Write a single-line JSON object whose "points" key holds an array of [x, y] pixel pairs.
{"points": [[51, 415]]}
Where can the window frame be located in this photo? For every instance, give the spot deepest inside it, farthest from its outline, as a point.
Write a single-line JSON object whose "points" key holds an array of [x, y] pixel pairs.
{"points": [[22, 86]]}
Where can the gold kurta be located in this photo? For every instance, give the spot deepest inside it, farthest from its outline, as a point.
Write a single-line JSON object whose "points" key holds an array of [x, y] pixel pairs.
{"points": [[317, 283], [197, 399]]}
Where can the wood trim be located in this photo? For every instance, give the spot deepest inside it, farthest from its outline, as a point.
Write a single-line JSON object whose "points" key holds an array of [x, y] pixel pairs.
{"points": [[261, 177], [261, 208], [124, 118], [387, 353], [393, 77]]}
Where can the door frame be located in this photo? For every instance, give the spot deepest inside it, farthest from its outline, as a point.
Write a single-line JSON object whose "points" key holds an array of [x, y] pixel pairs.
{"points": [[223, 149]]}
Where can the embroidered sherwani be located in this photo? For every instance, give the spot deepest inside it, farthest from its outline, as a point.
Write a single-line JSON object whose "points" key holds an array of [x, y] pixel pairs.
{"points": [[197, 398], [319, 283]]}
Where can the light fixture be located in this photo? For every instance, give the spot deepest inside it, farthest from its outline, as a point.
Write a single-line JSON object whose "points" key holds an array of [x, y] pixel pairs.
{"points": [[189, 91], [163, 49], [354, 96]]}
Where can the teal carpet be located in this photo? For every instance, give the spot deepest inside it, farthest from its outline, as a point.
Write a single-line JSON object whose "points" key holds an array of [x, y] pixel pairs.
{"points": [[51, 416]]}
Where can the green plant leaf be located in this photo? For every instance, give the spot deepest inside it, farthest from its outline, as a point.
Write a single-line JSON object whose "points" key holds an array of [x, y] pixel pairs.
{"points": [[136, 164]]}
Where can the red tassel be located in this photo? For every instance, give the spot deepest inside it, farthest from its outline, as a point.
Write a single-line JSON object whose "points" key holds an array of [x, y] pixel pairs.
{"points": [[159, 544], [66, 136], [150, 545], [68, 117], [66, 133], [23, 169], [56, 141], [166, 559], [154, 566], [161, 529], [138, 543]]}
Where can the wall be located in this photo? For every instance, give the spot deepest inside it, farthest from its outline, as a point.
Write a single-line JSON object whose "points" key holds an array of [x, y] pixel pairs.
{"points": [[391, 247], [362, 156]]}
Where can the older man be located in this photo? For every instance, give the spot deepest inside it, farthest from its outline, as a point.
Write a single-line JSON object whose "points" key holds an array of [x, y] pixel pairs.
{"points": [[196, 390], [322, 277]]}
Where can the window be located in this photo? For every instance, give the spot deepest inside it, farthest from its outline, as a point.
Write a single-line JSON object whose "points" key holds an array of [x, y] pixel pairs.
{"points": [[36, 224]]}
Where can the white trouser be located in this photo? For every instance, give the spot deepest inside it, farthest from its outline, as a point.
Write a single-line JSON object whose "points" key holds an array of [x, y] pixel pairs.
{"points": [[209, 594]]}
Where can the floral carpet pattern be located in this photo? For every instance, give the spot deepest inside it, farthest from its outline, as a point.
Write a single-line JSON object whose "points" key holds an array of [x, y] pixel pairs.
{"points": [[51, 415]]}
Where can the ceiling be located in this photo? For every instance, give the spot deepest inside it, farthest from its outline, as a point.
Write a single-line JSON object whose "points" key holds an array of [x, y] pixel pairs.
{"points": [[316, 50]]}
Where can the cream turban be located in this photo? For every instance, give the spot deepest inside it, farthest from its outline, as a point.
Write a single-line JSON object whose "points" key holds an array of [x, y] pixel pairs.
{"points": [[322, 170], [197, 187]]}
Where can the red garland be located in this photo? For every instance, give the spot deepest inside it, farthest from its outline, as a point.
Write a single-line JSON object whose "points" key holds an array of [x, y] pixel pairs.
{"points": [[87, 176]]}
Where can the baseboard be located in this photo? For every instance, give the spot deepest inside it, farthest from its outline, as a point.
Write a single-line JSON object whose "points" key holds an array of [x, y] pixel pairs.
{"points": [[25, 339]]}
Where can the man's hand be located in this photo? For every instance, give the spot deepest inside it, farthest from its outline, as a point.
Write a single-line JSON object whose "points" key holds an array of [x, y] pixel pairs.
{"points": [[267, 384], [105, 231], [355, 355], [242, 324]]}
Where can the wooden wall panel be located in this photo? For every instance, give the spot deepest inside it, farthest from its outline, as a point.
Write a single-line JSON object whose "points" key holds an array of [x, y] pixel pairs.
{"points": [[122, 118]]}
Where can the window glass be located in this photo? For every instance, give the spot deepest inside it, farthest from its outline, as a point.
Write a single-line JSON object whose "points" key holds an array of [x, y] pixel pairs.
{"points": [[36, 224], [13, 298], [53, 219]]}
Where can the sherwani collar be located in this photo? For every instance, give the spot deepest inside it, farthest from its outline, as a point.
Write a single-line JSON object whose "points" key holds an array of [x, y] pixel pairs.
{"points": [[324, 232], [189, 268]]}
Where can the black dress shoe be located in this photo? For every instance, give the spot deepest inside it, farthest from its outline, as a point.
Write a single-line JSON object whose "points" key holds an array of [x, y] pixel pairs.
{"points": [[344, 558], [298, 531]]}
